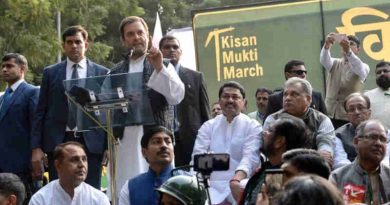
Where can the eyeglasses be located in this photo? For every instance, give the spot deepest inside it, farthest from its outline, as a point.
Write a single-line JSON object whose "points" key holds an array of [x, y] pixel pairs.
{"points": [[375, 137], [354, 109], [298, 72]]}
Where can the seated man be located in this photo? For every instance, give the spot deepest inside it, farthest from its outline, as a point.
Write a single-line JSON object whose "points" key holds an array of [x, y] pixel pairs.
{"points": [[294, 68], [366, 180], [12, 191], [284, 134], [296, 102], [71, 165], [157, 148], [234, 133], [358, 110], [182, 190]]}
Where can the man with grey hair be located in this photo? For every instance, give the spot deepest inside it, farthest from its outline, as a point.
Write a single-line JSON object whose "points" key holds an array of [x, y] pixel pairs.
{"points": [[12, 190], [296, 102], [357, 107], [366, 180]]}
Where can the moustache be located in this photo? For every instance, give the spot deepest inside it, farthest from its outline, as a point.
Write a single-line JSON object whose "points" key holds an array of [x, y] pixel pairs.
{"points": [[163, 151]]}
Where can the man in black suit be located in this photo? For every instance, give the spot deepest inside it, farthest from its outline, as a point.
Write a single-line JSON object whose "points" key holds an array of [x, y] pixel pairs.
{"points": [[53, 123], [294, 68], [194, 110]]}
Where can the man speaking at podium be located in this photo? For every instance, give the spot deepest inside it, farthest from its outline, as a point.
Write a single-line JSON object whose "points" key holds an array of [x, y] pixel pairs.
{"points": [[164, 88]]}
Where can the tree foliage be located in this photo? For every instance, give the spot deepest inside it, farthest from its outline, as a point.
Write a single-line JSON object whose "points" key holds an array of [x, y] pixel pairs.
{"points": [[29, 27]]}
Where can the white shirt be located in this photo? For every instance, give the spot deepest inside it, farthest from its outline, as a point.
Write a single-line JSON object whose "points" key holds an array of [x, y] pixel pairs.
{"points": [[239, 138], [54, 194], [340, 157], [357, 66], [13, 88], [380, 105], [124, 194], [82, 73], [16, 85], [81, 70]]}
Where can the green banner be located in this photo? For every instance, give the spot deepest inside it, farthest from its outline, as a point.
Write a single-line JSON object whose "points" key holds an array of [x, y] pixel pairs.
{"points": [[251, 44]]}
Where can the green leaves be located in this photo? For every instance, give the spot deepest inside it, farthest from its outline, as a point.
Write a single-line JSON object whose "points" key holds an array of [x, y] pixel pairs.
{"points": [[30, 26]]}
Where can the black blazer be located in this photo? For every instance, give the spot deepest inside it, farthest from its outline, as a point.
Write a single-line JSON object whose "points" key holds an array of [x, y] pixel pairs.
{"points": [[192, 112], [275, 103], [52, 110]]}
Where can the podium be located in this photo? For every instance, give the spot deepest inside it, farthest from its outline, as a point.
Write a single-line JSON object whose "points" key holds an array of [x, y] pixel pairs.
{"points": [[105, 102]]}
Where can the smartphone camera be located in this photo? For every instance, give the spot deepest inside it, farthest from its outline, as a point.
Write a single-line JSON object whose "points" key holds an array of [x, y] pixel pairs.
{"points": [[273, 181], [207, 163]]}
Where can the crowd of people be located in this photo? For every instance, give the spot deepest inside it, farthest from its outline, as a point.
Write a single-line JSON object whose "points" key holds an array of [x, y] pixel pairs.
{"points": [[332, 151]]}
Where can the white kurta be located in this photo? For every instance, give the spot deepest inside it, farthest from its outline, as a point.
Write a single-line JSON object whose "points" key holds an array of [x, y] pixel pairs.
{"points": [[84, 194], [130, 161], [240, 139], [380, 105]]}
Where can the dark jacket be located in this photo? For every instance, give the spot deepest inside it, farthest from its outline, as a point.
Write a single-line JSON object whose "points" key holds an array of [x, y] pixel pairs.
{"points": [[158, 103], [192, 112], [51, 116]]}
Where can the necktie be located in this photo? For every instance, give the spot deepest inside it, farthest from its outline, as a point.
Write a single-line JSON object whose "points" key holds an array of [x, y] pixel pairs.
{"points": [[72, 107], [5, 101], [75, 74]]}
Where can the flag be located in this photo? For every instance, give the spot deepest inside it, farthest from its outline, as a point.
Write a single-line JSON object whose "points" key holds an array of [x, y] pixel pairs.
{"points": [[157, 32], [186, 39]]}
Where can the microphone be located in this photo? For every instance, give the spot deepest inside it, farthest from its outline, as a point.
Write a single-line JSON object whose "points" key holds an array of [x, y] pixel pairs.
{"points": [[131, 51]]}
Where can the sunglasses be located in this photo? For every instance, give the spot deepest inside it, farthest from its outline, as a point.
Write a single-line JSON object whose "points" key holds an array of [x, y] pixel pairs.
{"points": [[175, 47], [298, 72]]}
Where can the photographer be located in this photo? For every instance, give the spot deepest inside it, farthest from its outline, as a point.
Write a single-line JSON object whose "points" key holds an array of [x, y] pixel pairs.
{"points": [[346, 75]]}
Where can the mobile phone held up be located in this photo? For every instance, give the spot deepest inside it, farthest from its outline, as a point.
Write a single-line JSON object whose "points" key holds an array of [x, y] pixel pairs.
{"points": [[207, 163], [273, 181], [338, 37]]}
